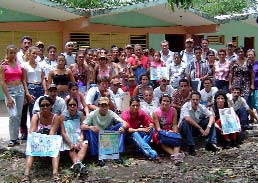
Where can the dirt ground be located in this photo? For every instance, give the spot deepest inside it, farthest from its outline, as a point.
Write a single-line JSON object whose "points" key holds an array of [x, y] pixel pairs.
{"points": [[233, 165]]}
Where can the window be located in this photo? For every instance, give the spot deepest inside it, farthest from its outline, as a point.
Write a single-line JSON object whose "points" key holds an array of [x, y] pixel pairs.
{"points": [[216, 39]]}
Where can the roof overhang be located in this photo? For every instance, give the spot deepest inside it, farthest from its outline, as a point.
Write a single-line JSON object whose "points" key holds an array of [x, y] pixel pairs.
{"points": [[41, 8], [156, 13], [249, 18]]}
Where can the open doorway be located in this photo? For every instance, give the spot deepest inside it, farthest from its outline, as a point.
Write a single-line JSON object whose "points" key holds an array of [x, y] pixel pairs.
{"points": [[249, 43], [176, 42]]}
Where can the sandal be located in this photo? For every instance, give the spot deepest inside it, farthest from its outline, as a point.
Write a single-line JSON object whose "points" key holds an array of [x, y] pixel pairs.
{"points": [[26, 179], [55, 178]]}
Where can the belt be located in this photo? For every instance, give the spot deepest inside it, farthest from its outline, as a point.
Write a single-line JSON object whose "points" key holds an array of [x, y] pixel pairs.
{"points": [[37, 83]]}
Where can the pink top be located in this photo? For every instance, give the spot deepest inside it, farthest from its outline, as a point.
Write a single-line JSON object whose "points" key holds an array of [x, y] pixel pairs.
{"points": [[157, 64], [142, 119], [12, 74], [165, 118], [41, 126], [143, 60], [103, 73], [221, 71]]}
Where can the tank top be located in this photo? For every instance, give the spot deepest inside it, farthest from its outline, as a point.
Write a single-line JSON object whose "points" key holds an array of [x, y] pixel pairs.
{"points": [[140, 92], [12, 73], [165, 118], [103, 73], [42, 126], [79, 76], [60, 79]]}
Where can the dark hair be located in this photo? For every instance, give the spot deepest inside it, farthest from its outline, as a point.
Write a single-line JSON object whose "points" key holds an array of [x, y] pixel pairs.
{"points": [[237, 88], [70, 99], [45, 98], [240, 48], [204, 39], [222, 50], [78, 53], [215, 106], [11, 46], [197, 48], [72, 84], [178, 54], [183, 80], [165, 95], [134, 99], [103, 79], [207, 79], [144, 75], [195, 93], [210, 52], [26, 37], [50, 47]]}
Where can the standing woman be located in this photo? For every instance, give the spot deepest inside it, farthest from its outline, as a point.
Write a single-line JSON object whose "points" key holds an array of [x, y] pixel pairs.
{"points": [[61, 76], [35, 77], [241, 74], [221, 71], [80, 71], [44, 122], [13, 82], [165, 122]]}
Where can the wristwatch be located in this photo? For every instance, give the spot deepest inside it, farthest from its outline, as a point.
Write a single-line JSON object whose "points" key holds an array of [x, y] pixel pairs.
{"points": [[209, 126]]}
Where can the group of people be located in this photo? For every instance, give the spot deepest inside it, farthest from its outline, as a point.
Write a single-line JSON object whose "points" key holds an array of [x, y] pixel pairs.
{"points": [[74, 96]]}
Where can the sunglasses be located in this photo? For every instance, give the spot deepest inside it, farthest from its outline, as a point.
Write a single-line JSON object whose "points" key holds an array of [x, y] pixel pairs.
{"points": [[45, 105], [72, 105]]}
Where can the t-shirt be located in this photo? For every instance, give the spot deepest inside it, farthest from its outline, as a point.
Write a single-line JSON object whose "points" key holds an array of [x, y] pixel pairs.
{"points": [[208, 97], [103, 122]]}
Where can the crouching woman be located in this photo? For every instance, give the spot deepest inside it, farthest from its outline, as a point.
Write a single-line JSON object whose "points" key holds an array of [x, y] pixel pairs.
{"points": [[44, 122], [166, 134]]}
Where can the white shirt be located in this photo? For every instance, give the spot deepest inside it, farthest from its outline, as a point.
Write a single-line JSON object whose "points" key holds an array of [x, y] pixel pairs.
{"points": [[167, 59], [239, 103], [176, 72], [157, 93], [149, 108], [33, 74], [200, 113], [70, 59], [208, 96], [187, 57]]}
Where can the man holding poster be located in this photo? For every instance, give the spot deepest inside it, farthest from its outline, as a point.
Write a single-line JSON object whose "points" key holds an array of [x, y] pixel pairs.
{"points": [[103, 119]]}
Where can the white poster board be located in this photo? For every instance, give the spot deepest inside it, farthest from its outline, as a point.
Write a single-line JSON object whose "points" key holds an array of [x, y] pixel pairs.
{"points": [[43, 145], [157, 72], [229, 122], [108, 145], [122, 101]]}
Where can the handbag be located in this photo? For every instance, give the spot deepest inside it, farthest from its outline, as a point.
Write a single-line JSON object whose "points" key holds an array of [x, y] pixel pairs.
{"points": [[169, 138]]}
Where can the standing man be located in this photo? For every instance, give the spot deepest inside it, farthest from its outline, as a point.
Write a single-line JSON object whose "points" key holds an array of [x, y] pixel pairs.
{"points": [[26, 42], [197, 119], [69, 56], [167, 56], [41, 48], [206, 49], [140, 59], [188, 54], [231, 56]]}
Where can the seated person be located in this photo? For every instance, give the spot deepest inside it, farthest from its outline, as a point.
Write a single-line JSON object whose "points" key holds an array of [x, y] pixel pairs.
{"points": [[241, 108], [140, 128], [144, 85], [221, 102], [196, 119], [130, 86], [73, 139], [208, 93], [101, 90], [43, 122], [165, 121], [164, 87], [103, 119], [148, 105]]}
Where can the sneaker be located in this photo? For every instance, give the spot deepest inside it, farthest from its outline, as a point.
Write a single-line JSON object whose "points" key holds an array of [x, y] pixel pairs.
{"points": [[118, 161], [191, 150], [12, 143], [101, 163], [211, 147], [83, 169], [178, 158], [76, 167]]}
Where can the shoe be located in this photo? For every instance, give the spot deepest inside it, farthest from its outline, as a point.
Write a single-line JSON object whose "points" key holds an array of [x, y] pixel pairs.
{"points": [[119, 161], [211, 147], [191, 150], [55, 178], [76, 167], [247, 127], [235, 144], [84, 169], [26, 179], [226, 144], [12, 143], [101, 163], [178, 158]]}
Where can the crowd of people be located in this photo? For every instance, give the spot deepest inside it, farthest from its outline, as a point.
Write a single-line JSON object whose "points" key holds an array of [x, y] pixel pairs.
{"points": [[73, 95]]}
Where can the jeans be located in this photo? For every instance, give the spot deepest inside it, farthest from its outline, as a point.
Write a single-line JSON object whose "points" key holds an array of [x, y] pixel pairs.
{"points": [[17, 94], [243, 116], [142, 140], [189, 131], [93, 139], [222, 85], [36, 90]]}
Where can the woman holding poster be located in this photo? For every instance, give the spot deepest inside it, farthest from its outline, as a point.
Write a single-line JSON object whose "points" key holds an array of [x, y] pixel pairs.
{"points": [[221, 102], [44, 122]]}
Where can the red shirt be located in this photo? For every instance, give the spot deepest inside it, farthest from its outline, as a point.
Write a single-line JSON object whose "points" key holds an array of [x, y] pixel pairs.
{"points": [[144, 61], [141, 120]]}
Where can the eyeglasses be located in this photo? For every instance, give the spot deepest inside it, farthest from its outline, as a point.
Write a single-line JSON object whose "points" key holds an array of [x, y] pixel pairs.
{"points": [[45, 105], [72, 105]]}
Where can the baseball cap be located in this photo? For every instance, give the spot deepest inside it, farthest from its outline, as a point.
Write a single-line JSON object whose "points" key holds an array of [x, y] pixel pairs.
{"points": [[103, 100], [131, 78], [39, 43], [163, 78], [128, 46], [115, 81], [69, 43], [52, 86]]}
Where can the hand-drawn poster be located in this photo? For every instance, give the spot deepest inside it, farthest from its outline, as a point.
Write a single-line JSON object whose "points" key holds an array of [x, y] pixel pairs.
{"points": [[157, 72], [229, 122], [43, 145], [122, 101], [108, 145]]}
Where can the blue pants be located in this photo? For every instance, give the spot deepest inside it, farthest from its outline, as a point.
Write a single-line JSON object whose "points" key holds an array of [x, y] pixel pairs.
{"points": [[36, 91], [142, 140], [93, 139], [243, 116], [189, 131]]}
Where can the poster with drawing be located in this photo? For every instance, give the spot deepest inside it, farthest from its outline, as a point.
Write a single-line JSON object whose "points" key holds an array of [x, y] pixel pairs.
{"points": [[108, 145], [157, 73], [43, 145], [122, 101], [229, 122]]}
